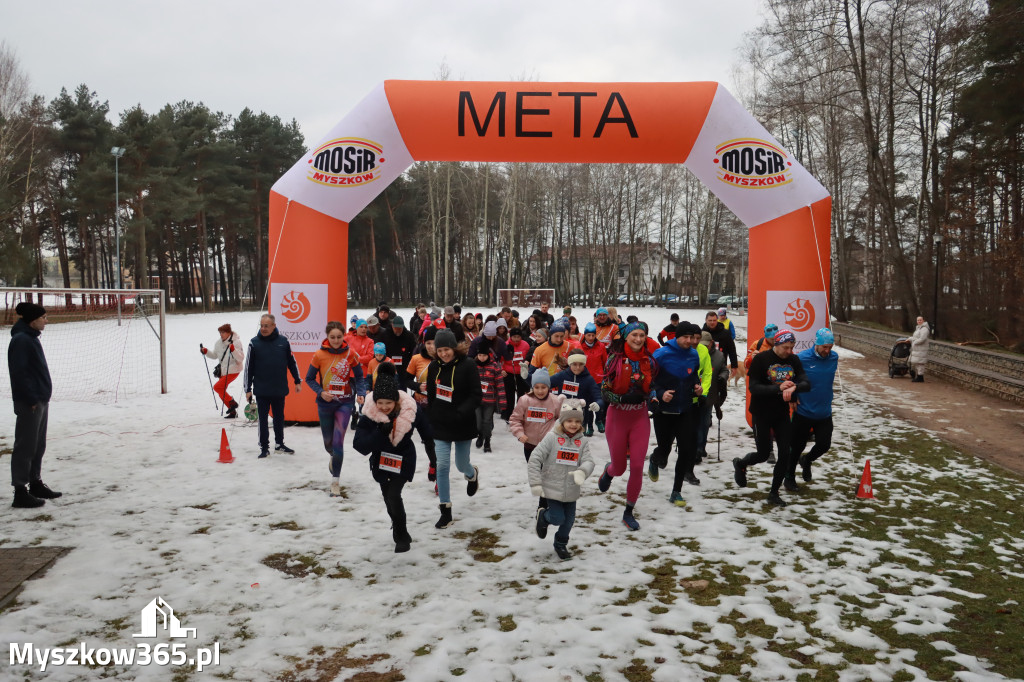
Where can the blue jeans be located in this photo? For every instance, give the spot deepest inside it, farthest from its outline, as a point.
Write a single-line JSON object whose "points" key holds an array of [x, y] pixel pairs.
{"points": [[334, 417], [563, 515], [443, 450]]}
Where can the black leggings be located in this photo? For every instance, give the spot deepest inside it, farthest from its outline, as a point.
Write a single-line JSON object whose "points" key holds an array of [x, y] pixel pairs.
{"points": [[802, 427], [392, 492], [681, 429], [765, 427]]}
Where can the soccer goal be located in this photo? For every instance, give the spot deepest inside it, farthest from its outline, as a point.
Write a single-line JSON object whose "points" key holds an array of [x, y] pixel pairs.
{"points": [[525, 298], [101, 345]]}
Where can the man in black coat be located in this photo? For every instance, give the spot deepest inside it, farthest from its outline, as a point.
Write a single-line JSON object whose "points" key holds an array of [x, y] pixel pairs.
{"points": [[31, 389], [400, 344], [723, 338], [267, 365]]}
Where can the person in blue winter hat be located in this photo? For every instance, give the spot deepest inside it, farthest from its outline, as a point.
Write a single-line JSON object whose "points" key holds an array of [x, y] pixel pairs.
{"points": [[814, 411]]}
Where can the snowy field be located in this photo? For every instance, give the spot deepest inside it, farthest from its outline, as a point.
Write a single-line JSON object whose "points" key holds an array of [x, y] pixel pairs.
{"points": [[149, 512]]}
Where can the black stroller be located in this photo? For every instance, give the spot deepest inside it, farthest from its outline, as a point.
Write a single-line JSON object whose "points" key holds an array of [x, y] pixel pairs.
{"points": [[899, 359]]}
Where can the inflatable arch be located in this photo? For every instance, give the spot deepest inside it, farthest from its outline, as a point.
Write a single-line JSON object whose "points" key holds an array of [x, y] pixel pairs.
{"points": [[699, 125]]}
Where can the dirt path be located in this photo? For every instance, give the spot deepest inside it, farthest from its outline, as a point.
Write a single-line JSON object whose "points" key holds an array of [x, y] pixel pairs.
{"points": [[986, 427]]}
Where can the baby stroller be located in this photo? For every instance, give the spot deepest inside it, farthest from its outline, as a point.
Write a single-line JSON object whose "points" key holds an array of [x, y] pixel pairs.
{"points": [[899, 359]]}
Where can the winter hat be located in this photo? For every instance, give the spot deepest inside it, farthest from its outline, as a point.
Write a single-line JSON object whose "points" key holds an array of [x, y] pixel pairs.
{"points": [[824, 337], [567, 311], [483, 347], [490, 329], [571, 409], [449, 310], [435, 313], [707, 339], [558, 328], [429, 333], [515, 331], [372, 321], [225, 329], [770, 330], [722, 312], [630, 328], [457, 308], [380, 349], [445, 339], [577, 356], [397, 321], [501, 323], [353, 319], [591, 328], [601, 310], [785, 336], [30, 312], [541, 376], [385, 386], [360, 323]]}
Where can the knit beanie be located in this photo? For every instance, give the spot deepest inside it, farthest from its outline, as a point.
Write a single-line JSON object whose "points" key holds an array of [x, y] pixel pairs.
{"points": [[571, 409], [541, 376], [483, 347], [601, 310], [30, 312], [491, 329], [591, 328], [380, 349], [429, 333], [577, 356], [445, 339], [398, 322], [385, 386], [784, 336], [770, 330], [630, 328], [500, 323], [558, 328], [824, 337]]}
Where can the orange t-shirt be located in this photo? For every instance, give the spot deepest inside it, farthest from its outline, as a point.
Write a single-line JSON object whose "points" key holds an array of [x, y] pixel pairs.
{"points": [[544, 355], [417, 369]]}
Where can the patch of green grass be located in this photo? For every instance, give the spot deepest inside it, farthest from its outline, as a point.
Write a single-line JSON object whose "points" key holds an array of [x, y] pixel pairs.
{"points": [[201, 531], [506, 623], [423, 650], [636, 593], [638, 671], [482, 544], [322, 665], [285, 525], [297, 566]]}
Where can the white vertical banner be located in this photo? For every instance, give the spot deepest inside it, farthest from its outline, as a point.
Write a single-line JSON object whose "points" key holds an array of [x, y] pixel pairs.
{"points": [[301, 313], [802, 312]]}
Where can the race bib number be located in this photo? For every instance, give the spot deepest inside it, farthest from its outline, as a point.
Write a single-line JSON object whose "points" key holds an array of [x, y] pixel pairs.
{"points": [[538, 415], [396, 359], [570, 388], [390, 463], [341, 390], [568, 452], [444, 392], [517, 356], [485, 386], [607, 341]]}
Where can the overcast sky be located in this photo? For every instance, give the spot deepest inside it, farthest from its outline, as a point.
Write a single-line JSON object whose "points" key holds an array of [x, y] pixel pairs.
{"points": [[312, 61]]}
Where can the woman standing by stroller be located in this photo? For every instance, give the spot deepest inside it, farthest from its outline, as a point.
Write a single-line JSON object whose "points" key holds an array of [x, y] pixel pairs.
{"points": [[230, 357]]}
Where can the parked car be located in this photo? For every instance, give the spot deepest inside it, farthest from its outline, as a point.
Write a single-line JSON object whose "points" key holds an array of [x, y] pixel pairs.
{"points": [[712, 299], [725, 301]]}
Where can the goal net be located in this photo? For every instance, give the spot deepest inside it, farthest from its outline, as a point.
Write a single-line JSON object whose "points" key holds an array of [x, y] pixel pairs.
{"points": [[525, 298], [101, 345]]}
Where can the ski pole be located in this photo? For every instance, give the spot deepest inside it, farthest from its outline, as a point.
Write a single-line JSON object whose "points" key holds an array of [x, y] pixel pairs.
{"points": [[208, 377], [719, 440]]}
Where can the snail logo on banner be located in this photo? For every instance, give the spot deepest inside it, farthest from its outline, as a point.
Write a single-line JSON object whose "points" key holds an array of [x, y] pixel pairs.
{"points": [[301, 312], [345, 162], [802, 312], [751, 162]]}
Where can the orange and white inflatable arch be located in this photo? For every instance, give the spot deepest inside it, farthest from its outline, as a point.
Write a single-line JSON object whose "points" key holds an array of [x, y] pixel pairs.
{"points": [[699, 125]]}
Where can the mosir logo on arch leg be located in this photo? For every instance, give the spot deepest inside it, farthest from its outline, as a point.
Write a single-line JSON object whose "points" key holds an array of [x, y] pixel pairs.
{"points": [[301, 313], [803, 312]]}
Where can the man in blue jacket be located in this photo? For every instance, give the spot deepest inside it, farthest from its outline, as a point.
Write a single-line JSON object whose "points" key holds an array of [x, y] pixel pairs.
{"points": [[31, 389], [814, 412], [675, 414], [267, 365]]}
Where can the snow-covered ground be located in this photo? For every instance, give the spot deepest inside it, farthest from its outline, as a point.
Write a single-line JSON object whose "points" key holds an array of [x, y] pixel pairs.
{"points": [[149, 512]]}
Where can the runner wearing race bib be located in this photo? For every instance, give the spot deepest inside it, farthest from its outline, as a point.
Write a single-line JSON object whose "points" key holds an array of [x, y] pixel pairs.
{"points": [[535, 414], [577, 382]]}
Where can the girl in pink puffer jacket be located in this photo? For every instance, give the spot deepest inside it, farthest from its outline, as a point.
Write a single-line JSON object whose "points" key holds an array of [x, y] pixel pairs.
{"points": [[536, 412]]}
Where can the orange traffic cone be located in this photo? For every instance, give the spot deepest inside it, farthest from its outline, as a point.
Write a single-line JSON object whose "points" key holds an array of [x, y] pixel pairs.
{"points": [[225, 449], [864, 490]]}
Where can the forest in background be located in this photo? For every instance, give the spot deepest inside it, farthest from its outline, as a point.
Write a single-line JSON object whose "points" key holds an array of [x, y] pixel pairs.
{"points": [[908, 111]]}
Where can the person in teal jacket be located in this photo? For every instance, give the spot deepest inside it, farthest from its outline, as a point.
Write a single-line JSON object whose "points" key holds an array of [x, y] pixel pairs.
{"points": [[814, 412]]}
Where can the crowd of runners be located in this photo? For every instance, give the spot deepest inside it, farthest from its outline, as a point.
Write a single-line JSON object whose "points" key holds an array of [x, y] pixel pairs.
{"points": [[445, 375]]}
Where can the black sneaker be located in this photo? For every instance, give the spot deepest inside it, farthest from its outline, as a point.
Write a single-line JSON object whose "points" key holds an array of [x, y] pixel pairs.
{"points": [[23, 499], [740, 475], [542, 524], [775, 500], [264, 452], [231, 413], [790, 485], [473, 484], [605, 481], [805, 464], [562, 551], [281, 447], [42, 491], [629, 521], [487, 444], [691, 479], [771, 458]]}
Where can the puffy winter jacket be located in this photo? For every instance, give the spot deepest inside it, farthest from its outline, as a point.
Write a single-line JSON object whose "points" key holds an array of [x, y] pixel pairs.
{"points": [[492, 384], [919, 344], [400, 347], [380, 434], [268, 364], [30, 375], [586, 388], [452, 411], [554, 474], [679, 371], [597, 358], [231, 362], [533, 417], [821, 372], [363, 346], [518, 352]]}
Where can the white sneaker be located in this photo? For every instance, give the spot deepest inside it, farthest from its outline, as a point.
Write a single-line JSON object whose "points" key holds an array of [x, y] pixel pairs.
{"points": [[335, 489]]}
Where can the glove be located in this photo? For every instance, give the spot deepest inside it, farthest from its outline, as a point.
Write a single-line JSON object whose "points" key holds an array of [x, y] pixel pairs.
{"points": [[701, 400], [202, 349], [594, 407], [431, 474], [718, 412], [383, 427], [579, 476], [537, 490], [232, 348], [524, 370]]}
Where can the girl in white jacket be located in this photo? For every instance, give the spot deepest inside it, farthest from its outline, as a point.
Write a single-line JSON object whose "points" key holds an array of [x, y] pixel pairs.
{"points": [[558, 466], [229, 353]]}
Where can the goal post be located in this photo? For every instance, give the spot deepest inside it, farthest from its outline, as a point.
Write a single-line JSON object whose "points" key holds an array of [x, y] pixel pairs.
{"points": [[101, 345], [525, 298]]}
